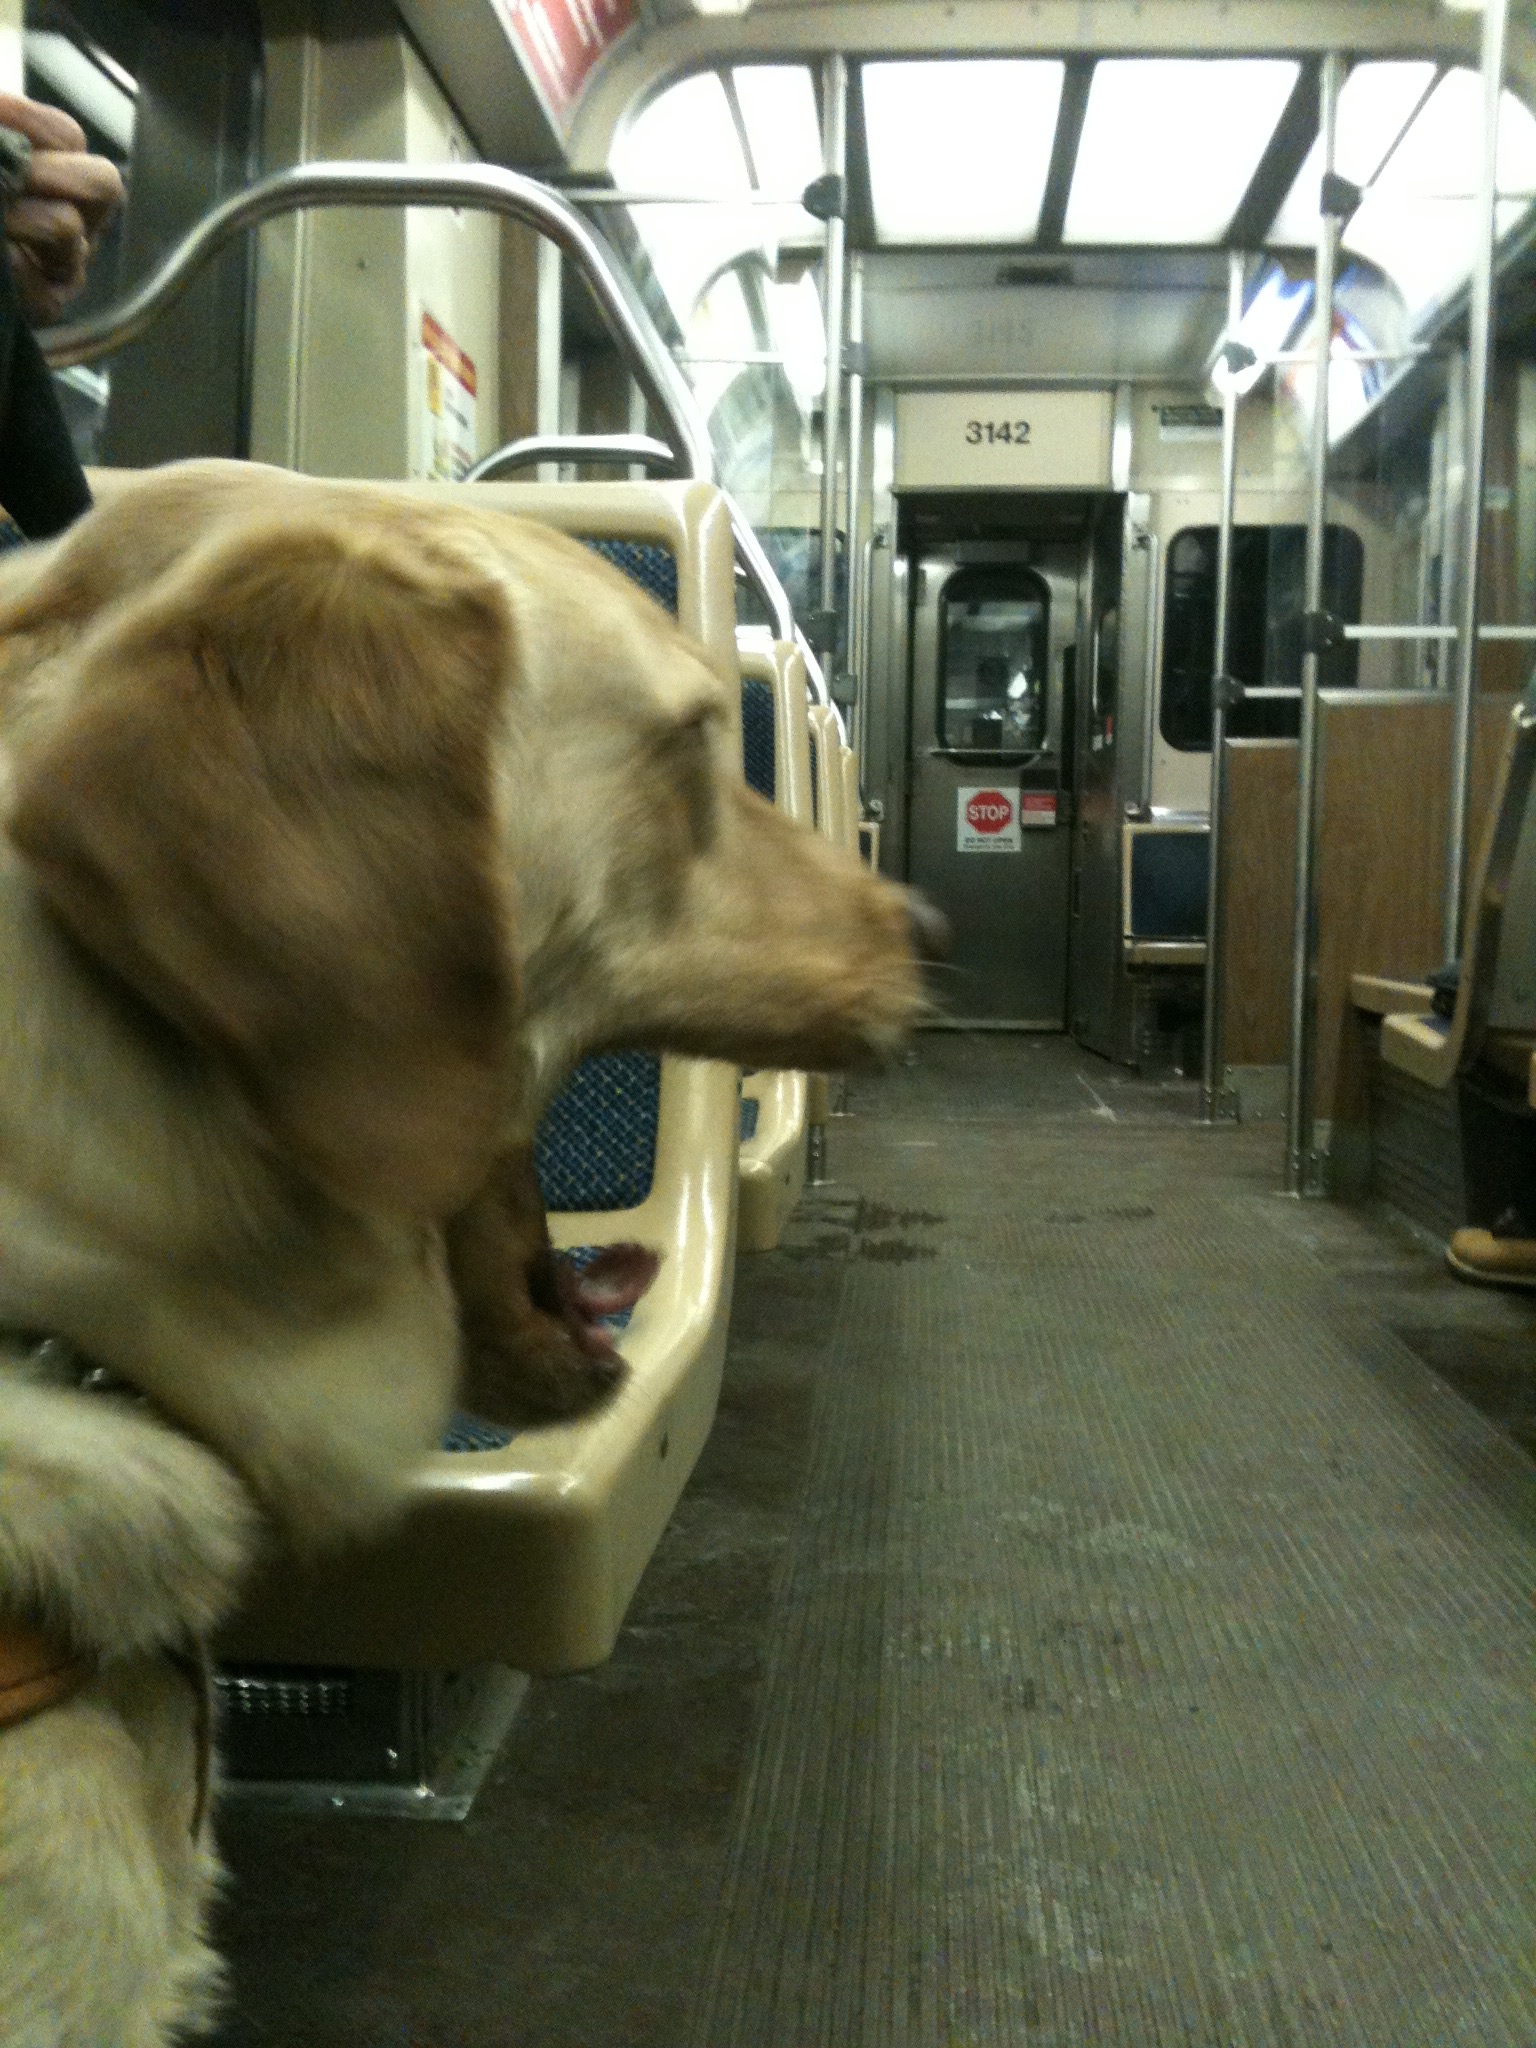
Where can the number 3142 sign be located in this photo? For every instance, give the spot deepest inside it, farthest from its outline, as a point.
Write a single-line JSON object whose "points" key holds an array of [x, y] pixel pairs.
{"points": [[1043, 440]]}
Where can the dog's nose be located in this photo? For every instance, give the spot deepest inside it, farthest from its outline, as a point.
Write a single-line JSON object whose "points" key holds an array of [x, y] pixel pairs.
{"points": [[930, 927]]}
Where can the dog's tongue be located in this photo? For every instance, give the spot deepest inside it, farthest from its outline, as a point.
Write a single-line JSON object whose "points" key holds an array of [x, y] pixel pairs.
{"points": [[612, 1282]]}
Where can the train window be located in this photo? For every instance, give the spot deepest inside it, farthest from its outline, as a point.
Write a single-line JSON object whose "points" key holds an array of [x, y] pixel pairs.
{"points": [[1268, 586], [993, 675]]}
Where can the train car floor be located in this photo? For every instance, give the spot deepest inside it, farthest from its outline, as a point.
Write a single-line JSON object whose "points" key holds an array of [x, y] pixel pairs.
{"points": [[1101, 1616]]}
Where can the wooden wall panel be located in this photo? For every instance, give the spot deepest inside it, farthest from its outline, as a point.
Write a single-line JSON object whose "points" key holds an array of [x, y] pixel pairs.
{"points": [[1384, 777], [1384, 772], [1258, 869]]}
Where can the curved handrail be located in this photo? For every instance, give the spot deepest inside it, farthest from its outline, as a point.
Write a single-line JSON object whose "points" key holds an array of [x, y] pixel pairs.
{"points": [[368, 184], [495, 190], [535, 448]]}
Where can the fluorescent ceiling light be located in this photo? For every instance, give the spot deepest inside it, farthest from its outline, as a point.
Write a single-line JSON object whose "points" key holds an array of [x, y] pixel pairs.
{"points": [[1374, 107], [1418, 221], [778, 112], [1169, 145], [959, 148], [684, 140]]}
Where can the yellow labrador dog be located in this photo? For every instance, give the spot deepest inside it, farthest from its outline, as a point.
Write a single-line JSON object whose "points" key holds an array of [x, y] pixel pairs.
{"points": [[296, 941]]}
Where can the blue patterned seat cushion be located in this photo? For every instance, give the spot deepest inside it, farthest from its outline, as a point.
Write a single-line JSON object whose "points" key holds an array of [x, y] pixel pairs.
{"points": [[644, 562], [596, 1146], [751, 1109], [757, 737], [815, 781]]}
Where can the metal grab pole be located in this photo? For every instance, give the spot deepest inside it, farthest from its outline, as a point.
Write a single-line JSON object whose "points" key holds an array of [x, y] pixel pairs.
{"points": [[1479, 347], [854, 580], [835, 165], [1211, 1089], [1299, 1107], [485, 186]]}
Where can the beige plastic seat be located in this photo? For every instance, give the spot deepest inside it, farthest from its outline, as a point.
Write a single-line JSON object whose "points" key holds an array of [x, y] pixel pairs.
{"points": [[527, 1553], [853, 803], [1435, 1049], [773, 1102], [830, 789]]}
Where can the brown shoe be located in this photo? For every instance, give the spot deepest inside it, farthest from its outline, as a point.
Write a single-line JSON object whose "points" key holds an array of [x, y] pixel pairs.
{"points": [[1489, 1261]]}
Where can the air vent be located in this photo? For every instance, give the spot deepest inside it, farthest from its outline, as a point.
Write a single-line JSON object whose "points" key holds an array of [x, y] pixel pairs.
{"points": [[1035, 273]]}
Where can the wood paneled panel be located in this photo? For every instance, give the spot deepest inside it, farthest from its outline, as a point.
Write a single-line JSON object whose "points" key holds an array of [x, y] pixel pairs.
{"points": [[1384, 776], [1258, 889], [1384, 772]]}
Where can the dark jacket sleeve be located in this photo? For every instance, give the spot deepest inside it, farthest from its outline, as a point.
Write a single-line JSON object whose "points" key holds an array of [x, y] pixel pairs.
{"points": [[42, 485]]}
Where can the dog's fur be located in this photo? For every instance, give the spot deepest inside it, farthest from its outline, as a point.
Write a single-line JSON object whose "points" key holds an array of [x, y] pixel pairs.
{"points": [[340, 823]]}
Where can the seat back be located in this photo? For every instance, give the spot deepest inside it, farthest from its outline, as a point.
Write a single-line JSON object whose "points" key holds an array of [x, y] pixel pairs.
{"points": [[830, 785]]}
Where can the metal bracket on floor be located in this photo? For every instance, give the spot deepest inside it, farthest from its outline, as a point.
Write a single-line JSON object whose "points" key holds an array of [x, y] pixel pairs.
{"points": [[816, 1174], [436, 1741]]}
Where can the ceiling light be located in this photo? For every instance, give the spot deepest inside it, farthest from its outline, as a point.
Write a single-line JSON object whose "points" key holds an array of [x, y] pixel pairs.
{"points": [[1417, 222], [1170, 144], [1375, 104], [959, 149]]}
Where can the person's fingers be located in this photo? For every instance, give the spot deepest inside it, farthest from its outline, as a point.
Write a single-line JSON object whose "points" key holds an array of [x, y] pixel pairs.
{"points": [[44, 293], [90, 184], [51, 229], [44, 127]]}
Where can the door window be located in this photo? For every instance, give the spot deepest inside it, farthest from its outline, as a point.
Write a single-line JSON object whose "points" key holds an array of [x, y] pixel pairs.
{"points": [[992, 662], [1265, 630]]}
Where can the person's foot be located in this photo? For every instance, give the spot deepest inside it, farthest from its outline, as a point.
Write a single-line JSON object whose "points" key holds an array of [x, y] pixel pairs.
{"points": [[1490, 1260]]}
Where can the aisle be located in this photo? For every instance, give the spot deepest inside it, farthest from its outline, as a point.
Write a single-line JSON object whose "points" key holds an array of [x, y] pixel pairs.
{"points": [[1148, 1661]]}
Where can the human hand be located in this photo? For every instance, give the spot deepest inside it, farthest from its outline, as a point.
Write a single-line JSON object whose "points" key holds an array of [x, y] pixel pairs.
{"points": [[53, 226]]}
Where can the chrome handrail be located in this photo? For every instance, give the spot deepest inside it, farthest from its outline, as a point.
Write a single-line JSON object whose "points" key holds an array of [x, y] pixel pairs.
{"points": [[536, 448], [486, 186]]}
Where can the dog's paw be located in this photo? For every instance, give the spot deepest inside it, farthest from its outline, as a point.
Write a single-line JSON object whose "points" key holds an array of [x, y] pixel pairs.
{"points": [[540, 1373]]}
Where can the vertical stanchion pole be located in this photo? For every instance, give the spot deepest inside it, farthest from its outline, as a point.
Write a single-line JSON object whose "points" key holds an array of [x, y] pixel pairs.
{"points": [[1300, 1109], [1479, 348], [1211, 1067], [835, 166], [854, 580]]}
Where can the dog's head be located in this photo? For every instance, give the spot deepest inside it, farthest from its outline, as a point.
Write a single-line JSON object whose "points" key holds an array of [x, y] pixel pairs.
{"points": [[398, 807]]}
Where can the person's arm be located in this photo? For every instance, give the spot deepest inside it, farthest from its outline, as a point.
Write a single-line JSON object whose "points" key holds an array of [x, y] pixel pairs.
{"points": [[51, 228]]}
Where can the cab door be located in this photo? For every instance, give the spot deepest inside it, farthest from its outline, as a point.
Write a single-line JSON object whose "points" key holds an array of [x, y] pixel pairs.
{"points": [[993, 649]]}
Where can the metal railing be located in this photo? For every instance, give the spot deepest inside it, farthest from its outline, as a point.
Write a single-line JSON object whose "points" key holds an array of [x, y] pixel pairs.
{"points": [[488, 187]]}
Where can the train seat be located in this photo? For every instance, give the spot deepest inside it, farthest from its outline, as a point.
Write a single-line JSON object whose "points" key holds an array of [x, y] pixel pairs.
{"points": [[777, 762], [1164, 886], [1493, 1025], [829, 795], [524, 1550]]}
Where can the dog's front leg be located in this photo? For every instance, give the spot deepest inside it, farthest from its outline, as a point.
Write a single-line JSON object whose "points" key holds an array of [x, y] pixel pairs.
{"points": [[534, 1344]]}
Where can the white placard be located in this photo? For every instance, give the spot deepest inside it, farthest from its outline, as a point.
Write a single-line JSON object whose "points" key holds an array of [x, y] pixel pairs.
{"points": [[1019, 440], [987, 820]]}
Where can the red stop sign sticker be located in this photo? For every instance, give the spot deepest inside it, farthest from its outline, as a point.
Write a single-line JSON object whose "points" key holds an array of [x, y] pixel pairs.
{"points": [[989, 810]]}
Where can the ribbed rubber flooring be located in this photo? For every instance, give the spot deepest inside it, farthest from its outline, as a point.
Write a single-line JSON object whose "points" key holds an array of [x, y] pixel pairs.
{"points": [[1149, 1656]]}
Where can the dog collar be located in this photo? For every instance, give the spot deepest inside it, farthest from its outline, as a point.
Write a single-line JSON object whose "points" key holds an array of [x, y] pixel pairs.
{"points": [[36, 1672]]}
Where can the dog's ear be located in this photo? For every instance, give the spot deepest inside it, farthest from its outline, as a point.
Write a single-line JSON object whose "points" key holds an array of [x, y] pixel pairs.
{"points": [[261, 791]]}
